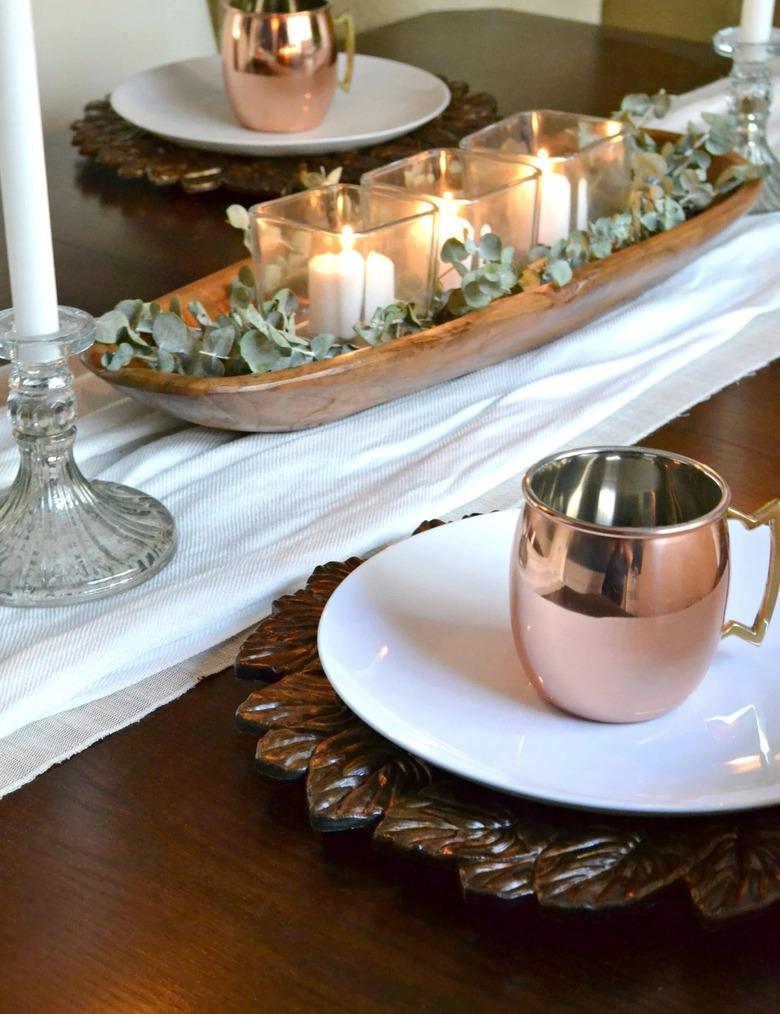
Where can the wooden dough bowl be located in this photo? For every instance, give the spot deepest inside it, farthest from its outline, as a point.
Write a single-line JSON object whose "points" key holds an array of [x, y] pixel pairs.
{"points": [[322, 392]]}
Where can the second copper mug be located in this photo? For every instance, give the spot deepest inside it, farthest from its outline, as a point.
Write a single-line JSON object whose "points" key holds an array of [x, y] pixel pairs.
{"points": [[619, 578], [280, 68]]}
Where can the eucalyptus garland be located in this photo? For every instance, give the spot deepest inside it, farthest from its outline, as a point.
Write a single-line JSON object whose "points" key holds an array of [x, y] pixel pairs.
{"points": [[669, 184]]}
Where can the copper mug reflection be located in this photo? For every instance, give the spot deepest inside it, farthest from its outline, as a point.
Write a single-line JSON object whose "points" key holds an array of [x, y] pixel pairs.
{"points": [[280, 67], [619, 578]]}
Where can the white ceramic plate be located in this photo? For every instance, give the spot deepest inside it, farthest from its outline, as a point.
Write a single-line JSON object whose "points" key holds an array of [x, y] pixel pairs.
{"points": [[417, 641], [185, 102]]}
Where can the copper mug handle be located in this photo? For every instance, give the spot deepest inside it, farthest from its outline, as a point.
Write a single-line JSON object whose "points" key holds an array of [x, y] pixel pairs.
{"points": [[769, 515], [349, 48]]}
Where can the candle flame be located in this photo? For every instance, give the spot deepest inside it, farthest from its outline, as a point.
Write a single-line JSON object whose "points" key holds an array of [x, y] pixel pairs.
{"points": [[543, 153], [347, 237]]}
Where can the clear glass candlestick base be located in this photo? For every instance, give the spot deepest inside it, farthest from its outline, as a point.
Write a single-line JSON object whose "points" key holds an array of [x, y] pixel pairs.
{"points": [[64, 540], [750, 101]]}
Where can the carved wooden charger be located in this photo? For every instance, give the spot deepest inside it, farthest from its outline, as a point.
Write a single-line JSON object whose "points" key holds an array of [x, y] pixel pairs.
{"points": [[134, 153], [502, 847]]}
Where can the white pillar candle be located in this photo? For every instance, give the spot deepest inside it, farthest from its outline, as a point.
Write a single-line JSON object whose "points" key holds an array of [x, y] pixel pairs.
{"points": [[520, 217], [351, 269], [323, 294], [450, 226], [336, 283], [582, 204], [380, 284], [23, 176], [756, 24], [555, 202]]}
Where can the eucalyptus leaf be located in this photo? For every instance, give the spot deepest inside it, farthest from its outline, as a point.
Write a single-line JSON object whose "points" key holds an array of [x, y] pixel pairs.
{"points": [[649, 164], [278, 337], [260, 355], [637, 104], [240, 295], [296, 358], [199, 312], [453, 251], [132, 309], [490, 287], [107, 326], [321, 344], [237, 216], [490, 247], [219, 341], [171, 333], [456, 304], [167, 362], [560, 272], [599, 248], [209, 365], [661, 103], [476, 298], [255, 318], [118, 358]]}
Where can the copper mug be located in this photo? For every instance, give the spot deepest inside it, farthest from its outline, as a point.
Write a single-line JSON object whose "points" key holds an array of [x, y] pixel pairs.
{"points": [[619, 578], [280, 68]]}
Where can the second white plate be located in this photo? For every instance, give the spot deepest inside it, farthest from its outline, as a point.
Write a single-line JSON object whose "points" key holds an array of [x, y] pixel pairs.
{"points": [[185, 102], [417, 641]]}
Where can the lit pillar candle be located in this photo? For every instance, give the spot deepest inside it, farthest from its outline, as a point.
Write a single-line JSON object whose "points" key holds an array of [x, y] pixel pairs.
{"points": [[582, 204], [756, 24], [451, 226], [555, 202], [336, 283], [23, 176], [380, 284], [323, 294], [351, 269]]}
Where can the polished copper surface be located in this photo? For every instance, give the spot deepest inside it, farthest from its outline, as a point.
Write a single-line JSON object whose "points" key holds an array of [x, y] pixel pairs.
{"points": [[619, 579], [280, 69]]}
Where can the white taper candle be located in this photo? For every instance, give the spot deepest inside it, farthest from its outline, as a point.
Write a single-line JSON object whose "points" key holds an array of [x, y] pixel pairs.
{"points": [[756, 24], [23, 176]]}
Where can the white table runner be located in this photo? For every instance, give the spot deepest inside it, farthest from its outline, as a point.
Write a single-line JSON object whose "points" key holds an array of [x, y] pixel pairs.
{"points": [[256, 513]]}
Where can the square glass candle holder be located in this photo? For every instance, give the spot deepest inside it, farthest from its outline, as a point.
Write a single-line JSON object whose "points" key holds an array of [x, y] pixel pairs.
{"points": [[474, 192], [584, 161], [344, 252]]}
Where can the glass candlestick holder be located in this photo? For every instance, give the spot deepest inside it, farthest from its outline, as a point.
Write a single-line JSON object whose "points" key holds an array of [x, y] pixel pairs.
{"points": [[750, 100], [64, 540]]}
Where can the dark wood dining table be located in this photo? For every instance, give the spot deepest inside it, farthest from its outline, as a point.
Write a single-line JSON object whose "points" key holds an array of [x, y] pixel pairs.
{"points": [[155, 871]]}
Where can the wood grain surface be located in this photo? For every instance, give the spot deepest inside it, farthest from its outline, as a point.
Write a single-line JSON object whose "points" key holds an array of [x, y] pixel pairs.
{"points": [[156, 872], [317, 393]]}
